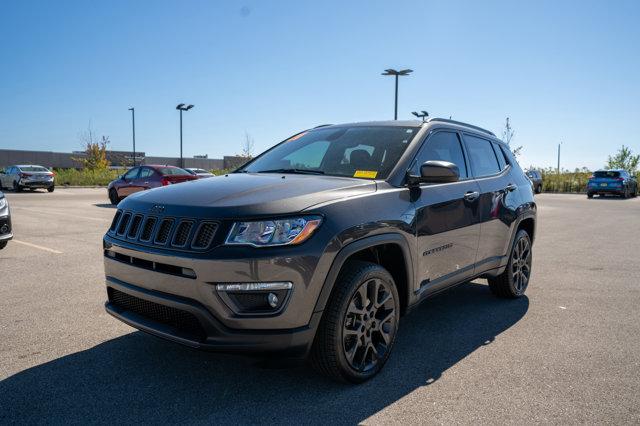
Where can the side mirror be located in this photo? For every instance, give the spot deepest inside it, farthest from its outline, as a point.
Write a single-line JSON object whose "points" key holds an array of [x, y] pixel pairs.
{"points": [[436, 172]]}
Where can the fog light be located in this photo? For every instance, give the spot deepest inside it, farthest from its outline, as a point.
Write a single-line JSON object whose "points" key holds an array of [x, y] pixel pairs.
{"points": [[4, 229], [110, 253], [273, 300], [255, 298]]}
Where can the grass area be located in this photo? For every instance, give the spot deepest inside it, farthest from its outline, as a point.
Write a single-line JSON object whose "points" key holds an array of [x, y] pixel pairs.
{"points": [[86, 177]]}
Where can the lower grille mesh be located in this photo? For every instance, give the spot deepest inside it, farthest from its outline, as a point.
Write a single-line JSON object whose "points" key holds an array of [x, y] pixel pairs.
{"points": [[183, 321]]}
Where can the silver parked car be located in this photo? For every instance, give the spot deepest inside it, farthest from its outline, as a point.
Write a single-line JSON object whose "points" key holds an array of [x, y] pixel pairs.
{"points": [[201, 173], [5, 222], [23, 176]]}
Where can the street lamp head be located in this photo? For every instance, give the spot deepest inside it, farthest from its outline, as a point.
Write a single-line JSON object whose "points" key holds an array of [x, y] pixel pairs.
{"points": [[184, 107], [180, 106], [391, 71], [189, 107], [131, 109]]}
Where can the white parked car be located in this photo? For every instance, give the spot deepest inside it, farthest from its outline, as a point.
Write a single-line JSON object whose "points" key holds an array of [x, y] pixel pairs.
{"points": [[201, 173], [20, 177]]}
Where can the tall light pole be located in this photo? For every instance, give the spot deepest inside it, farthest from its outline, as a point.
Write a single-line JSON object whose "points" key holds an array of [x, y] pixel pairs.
{"points": [[182, 107], [133, 128], [559, 158], [397, 74]]}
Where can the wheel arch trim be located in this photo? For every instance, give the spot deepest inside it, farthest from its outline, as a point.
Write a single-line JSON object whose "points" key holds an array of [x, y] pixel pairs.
{"points": [[359, 245]]}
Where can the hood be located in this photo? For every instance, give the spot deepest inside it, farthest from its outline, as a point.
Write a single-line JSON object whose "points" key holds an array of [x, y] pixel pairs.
{"points": [[238, 195]]}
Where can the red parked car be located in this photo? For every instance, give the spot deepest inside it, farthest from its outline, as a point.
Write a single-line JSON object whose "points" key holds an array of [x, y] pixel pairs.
{"points": [[146, 177]]}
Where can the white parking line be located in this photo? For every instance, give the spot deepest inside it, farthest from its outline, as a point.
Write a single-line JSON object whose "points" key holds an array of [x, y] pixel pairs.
{"points": [[47, 212], [37, 246]]}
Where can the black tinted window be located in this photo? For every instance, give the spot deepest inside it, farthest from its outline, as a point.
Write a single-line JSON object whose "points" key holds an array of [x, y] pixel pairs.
{"points": [[607, 174], [481, 156], [442, 146]]}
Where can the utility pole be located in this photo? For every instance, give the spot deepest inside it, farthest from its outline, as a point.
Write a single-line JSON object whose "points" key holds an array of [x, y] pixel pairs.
{"points": [[133, 128]]}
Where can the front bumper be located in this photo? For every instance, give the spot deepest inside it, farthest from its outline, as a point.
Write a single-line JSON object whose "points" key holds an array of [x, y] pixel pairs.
{"points": [[154, 275], [188, 322]]}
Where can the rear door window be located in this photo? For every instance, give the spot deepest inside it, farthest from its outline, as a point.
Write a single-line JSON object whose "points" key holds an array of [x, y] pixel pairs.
{"points": [[481, 156]]}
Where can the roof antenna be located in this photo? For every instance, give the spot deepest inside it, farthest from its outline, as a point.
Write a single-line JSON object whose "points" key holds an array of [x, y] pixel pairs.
{"points": [[421, 114]]}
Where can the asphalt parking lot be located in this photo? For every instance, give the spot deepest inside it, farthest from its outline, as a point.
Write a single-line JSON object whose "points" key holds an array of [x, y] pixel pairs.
{"points": [[569, 352]]}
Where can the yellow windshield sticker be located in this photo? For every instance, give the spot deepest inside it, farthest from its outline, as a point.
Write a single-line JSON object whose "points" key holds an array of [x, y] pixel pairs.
{"points": [[365, 174]]}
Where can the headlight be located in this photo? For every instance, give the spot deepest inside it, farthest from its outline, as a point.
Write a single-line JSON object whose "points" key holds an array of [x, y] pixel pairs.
{"points": [[3, 203], [267, 233]]}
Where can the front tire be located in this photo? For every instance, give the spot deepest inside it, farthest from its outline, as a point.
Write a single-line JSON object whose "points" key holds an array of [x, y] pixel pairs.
{"points": [[3, 244], [51, 188], [359, 325], [538, 189], [513, 282], [589, 195]]}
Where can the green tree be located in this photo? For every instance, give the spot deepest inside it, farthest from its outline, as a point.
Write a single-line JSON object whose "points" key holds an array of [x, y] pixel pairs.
{"points": [[624, 159], [95, 151]]}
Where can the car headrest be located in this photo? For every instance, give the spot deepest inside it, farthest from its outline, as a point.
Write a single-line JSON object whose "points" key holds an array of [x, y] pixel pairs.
{"points": [[360, 159]]}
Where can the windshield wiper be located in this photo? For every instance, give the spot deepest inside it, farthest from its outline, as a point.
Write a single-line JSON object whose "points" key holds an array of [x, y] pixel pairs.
{"points": [[297, 171]]}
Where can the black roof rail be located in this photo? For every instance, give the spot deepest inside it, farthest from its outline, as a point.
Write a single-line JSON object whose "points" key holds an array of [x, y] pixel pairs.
{"points": [[323, 125], [460, 123]]}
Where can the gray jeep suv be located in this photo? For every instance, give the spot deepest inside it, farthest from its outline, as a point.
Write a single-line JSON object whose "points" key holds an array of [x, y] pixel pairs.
{"points": [[318, 246]]}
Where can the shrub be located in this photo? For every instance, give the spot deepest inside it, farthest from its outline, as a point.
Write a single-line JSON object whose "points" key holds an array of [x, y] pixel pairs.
{"points": [[85, 177]]}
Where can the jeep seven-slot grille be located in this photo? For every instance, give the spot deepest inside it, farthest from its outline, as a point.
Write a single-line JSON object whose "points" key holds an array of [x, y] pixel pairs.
{"points": [[183, 321], [147, 231], [169, 233]]}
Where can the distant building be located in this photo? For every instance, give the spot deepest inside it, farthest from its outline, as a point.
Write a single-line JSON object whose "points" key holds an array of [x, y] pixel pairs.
{"points": [[65, 160]]}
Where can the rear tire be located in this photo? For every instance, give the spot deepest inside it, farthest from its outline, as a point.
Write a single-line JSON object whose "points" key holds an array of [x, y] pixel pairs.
{"points": [[3, 244], [589, 195], [513, 282], [538, 189], [113, 197], [51, 188], [359, 324]]}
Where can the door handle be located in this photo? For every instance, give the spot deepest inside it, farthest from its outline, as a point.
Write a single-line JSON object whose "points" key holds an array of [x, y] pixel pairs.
{"points": [[511, 187], [471, 196], [146, 183]]}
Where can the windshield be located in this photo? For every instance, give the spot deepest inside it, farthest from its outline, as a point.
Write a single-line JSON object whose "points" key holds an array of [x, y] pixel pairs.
{"points": [[33, 169], [172, 171], [360, 152], [607, 174]]}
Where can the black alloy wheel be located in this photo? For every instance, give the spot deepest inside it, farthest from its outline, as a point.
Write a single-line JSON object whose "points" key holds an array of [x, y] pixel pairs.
{"points": [[369, 326]]}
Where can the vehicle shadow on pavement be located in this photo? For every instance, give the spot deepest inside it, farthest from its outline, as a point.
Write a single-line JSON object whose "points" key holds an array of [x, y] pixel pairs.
{"points": [[105, 205], [138, 378]]}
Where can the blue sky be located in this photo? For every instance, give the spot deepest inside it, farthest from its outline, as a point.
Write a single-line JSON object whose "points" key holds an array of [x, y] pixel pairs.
{"points": [[563, 71]]}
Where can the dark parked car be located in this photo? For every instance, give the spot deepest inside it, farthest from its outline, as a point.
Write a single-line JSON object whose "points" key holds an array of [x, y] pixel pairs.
{"points": [[146, 177], [320, 244], [536, 180], [5, 222], [616, 182], [27, 177]]}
